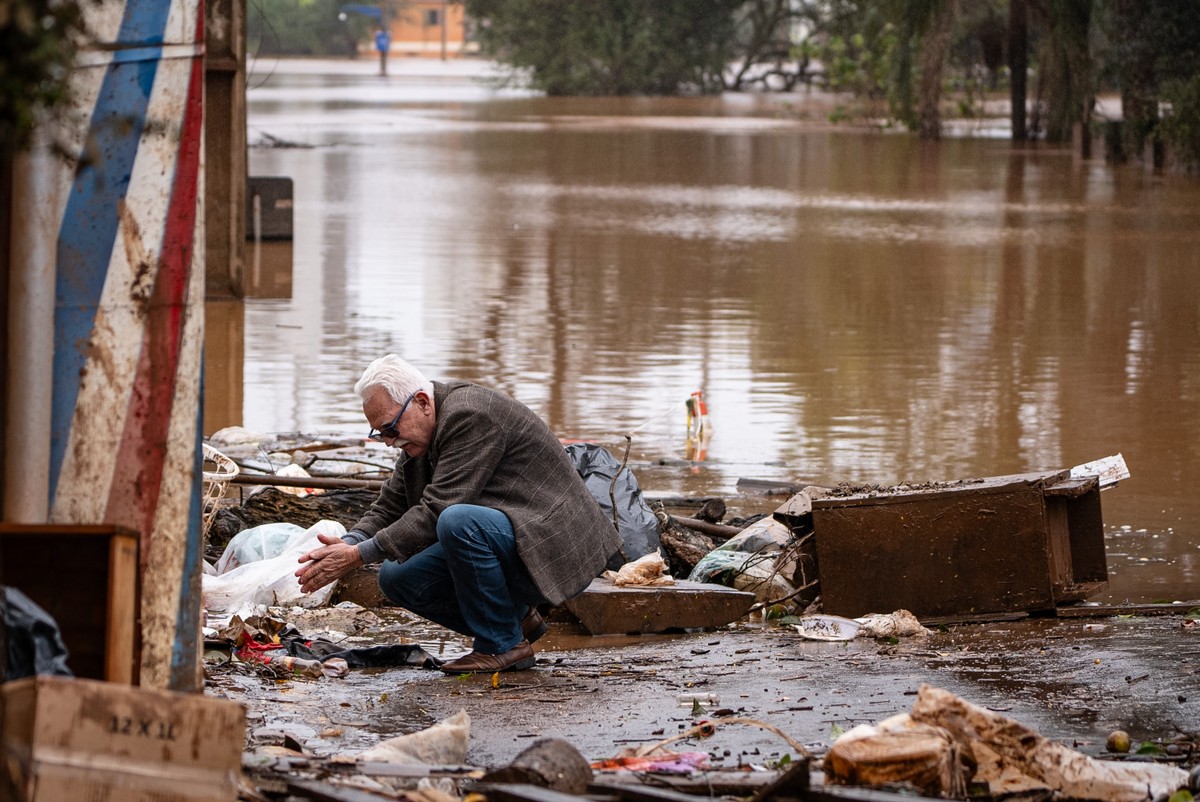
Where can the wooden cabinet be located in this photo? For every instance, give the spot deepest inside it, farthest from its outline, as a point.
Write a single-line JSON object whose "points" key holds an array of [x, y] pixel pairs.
{"points": [[1000, 544], [87, 579]]}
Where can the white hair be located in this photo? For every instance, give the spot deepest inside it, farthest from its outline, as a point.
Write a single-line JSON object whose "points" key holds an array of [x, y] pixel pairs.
{"points": [[394, 375]]}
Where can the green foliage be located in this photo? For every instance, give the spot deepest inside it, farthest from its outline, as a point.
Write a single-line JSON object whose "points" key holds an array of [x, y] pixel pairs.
{"points": [[38, 39], [303, 28], [610, 47]]}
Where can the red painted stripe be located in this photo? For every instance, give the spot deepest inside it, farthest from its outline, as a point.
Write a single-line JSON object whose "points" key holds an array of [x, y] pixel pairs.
{"points": [[138, 468]]}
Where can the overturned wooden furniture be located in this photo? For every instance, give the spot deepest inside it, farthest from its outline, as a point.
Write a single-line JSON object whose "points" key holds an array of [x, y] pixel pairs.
{"points": [[86, 578], [1025, 542]]}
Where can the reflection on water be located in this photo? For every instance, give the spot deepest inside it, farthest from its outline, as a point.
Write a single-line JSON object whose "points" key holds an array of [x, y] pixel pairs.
{"points": [[855, 306]]}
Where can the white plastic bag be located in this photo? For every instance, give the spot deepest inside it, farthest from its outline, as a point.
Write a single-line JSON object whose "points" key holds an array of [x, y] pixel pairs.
{"points": [[272, 581], [259, 543]]}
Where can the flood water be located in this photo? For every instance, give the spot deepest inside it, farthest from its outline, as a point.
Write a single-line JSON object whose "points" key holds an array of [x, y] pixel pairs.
{"points": [[855, 305]]}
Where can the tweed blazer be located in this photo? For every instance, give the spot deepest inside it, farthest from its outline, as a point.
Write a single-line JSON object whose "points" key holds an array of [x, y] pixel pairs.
{"points": [[493, 451]]}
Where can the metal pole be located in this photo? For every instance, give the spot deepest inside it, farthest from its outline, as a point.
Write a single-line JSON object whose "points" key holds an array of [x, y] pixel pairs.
{"points": [[33, 251], [443, 19]]}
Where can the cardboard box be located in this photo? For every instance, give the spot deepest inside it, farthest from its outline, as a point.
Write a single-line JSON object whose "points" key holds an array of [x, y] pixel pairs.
{"points": [[70, 738]]}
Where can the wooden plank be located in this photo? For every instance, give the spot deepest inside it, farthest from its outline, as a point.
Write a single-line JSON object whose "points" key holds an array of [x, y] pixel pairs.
{"points": [[121, 658], [647, 793], [605, 609], [769, 487], [702, 783], [870, 495], [846, 793], [325, 792], [1107, 610], [522, 792]]}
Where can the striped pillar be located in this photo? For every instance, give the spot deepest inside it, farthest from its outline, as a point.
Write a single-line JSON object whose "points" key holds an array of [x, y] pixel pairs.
{"points": [[129, 307]]}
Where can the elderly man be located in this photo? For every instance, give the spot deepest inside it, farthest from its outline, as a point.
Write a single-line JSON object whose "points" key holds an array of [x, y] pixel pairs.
{"points": [[483, 518]]}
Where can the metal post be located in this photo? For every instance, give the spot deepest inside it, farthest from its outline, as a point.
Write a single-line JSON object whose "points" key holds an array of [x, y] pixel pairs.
{"points": [[443, 20], [34, 250]]}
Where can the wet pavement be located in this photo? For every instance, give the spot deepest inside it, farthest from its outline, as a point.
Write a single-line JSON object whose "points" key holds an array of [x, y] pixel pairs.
{"points": [[1074, 680]]}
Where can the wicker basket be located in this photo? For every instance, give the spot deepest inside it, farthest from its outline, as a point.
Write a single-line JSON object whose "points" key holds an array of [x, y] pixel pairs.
{"points": [[218, 471]]}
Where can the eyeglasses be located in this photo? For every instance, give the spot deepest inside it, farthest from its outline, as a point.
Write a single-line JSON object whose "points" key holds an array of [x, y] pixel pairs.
{"points": [[389, 432]]}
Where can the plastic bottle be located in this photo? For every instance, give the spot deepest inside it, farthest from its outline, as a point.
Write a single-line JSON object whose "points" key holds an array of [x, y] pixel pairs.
{"points": [[297, 665], [690, 699]]}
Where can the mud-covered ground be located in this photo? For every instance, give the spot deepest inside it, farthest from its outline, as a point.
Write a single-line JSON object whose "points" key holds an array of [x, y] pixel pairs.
{"points": [[1074, 680]]}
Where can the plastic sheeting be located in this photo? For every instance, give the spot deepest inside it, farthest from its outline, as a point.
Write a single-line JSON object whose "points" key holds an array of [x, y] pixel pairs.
{"points": [[635, 521], [34, 641]]}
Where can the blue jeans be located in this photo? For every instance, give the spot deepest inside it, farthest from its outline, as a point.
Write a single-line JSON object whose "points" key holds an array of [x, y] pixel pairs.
{"points": [[471, 581]]}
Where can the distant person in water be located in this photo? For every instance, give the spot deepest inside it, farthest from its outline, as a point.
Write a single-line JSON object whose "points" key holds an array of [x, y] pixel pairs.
{"points": [[483, 519], [383, 43]]}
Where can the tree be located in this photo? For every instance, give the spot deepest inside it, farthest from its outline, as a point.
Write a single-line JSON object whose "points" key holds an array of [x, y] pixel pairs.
{"points": [[935, 48], [1018, 65], [39, 39], [1154, 57], [303, 28], [1066, 75], [610, 47]]}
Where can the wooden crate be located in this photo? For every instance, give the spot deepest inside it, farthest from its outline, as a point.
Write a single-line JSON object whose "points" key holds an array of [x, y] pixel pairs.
{"points": [[87, 579], [1000, 544]]}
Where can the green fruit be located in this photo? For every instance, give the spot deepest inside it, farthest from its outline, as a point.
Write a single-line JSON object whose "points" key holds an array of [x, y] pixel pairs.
{"points": [[1118, 741]]}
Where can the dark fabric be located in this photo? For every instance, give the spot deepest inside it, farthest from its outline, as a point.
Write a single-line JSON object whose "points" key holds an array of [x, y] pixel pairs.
{"points": [[33, 639], [493, 451], [394, 655]]}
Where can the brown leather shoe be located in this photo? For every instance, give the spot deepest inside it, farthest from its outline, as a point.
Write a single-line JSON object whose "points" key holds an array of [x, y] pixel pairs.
{"points": [[518, 658], [533, 626]]}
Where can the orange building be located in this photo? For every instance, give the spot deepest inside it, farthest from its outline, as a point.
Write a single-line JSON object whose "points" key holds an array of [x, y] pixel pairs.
{"points": [[434, 28]]}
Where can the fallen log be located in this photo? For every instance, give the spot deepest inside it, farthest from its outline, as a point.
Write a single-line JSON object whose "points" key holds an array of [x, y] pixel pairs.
{"points": [[314, 482]]}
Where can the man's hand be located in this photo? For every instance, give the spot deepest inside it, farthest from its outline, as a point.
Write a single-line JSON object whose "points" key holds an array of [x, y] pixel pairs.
{"points": [[329, 562]]}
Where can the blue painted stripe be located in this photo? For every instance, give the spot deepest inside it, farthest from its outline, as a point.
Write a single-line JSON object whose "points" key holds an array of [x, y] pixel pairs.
{"points": [[90, 223]]}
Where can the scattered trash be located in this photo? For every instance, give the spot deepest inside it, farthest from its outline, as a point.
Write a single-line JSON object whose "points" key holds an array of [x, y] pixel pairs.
{"points": [[898, 624], [661, 761], [923, 748], [443, 744], [1117, 741], [295, 665], [647, 570], [217, 473], [548, 763], [755, 560], [827, 627], [1111, 470], [297, 471], [898, 750], [697, 416], [693, 699]]}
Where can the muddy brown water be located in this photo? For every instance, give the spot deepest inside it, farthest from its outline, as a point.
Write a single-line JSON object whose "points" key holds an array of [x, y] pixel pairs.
{"points": [[855, 306]]}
